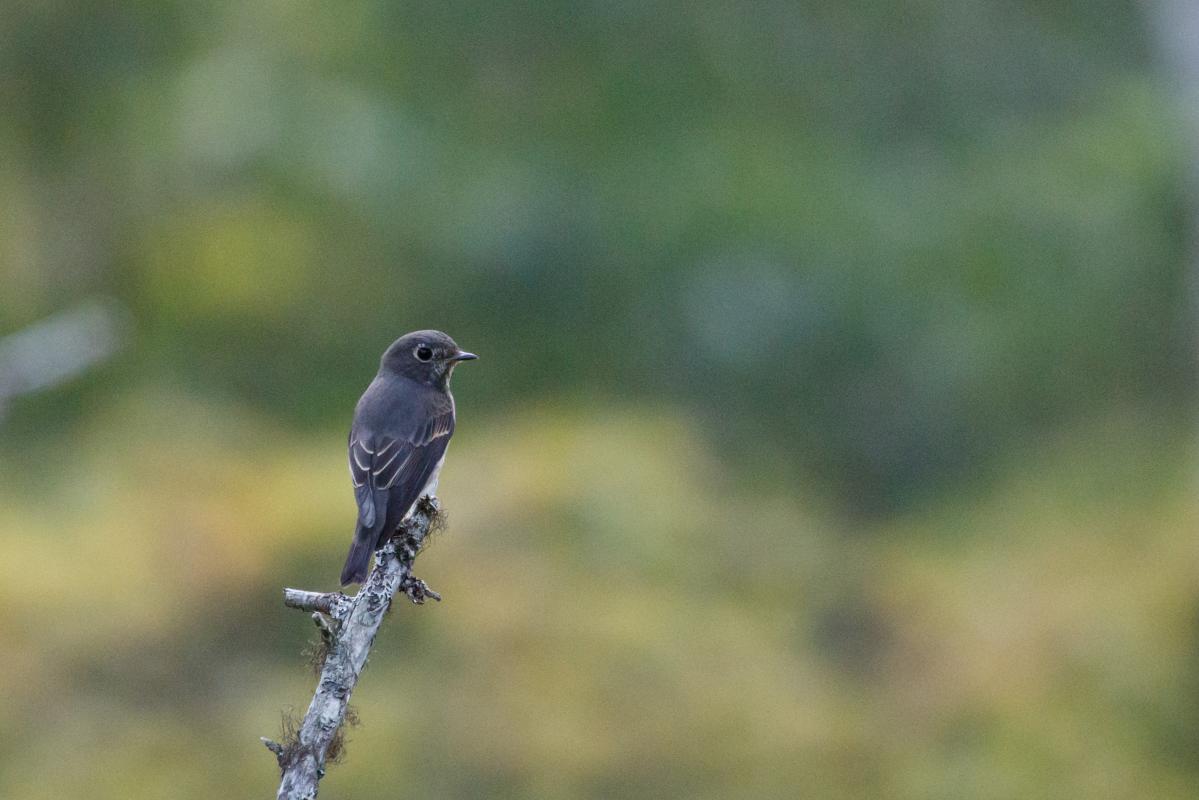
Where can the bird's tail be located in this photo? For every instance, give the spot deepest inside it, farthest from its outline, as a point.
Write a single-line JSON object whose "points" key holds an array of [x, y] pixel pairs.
{"points": [[359, 558]]}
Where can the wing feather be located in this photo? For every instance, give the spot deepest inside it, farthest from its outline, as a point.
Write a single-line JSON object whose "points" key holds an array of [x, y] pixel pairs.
{"points": [[389, 472]]}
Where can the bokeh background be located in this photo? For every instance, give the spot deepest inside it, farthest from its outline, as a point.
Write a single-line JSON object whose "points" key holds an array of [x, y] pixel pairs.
{"points": [[833, 434]]}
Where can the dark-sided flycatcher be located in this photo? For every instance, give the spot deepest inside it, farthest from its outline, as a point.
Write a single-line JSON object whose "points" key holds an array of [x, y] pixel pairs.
{"points": [[402, 426]]}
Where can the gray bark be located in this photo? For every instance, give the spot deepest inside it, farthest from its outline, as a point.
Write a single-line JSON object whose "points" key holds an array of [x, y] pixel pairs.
{"points": [[348, 626]]}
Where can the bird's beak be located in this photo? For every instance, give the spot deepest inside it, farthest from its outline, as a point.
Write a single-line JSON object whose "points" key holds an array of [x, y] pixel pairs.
{"points": [[462, 355]]}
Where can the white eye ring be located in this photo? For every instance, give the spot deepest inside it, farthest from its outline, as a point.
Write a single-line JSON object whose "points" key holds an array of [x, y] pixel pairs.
{"points": [[423, 353]]}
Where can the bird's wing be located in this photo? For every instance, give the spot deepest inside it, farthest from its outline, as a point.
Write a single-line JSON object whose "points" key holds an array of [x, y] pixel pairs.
{"points": [[362, 455], [391, 469]]}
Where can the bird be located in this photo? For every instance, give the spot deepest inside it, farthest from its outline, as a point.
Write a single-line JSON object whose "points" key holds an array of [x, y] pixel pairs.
{"points": [[402, 426]]}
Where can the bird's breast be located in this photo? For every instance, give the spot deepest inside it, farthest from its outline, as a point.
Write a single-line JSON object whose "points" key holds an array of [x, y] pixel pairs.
{"points": [[431, 485]]}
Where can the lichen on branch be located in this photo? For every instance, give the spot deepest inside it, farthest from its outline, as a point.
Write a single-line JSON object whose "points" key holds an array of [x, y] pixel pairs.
{"points": [[348, 626]]}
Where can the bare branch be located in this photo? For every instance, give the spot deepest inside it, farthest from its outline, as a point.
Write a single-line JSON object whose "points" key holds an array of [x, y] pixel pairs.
{"points": [[274, 747], [354, 623], [335, 604], [328, 635]]}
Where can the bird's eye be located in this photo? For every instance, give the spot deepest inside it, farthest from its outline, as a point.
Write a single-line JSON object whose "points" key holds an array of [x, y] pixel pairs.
{"points": [[424, 353]]}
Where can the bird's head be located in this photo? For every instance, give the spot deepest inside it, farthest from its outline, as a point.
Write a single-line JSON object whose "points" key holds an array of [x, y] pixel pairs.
{"points": [[424, 356]]}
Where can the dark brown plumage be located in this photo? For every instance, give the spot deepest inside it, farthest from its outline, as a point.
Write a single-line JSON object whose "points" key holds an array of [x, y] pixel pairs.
{"points": [[402, 427]]}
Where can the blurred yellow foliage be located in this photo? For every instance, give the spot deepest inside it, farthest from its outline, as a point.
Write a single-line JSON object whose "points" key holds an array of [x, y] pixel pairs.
{"points": [[621, 619]]}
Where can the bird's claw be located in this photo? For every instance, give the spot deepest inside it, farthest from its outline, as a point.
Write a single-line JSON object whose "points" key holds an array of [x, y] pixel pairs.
{"points": [[418, 591], [428, 505]]}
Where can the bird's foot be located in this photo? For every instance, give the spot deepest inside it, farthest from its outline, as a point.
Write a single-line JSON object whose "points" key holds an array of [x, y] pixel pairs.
{"points": [[418, 591], [428, 506]]}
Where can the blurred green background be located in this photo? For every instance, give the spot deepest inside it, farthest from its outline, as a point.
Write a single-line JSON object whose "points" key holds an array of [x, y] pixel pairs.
{"points": [[833, 434]]}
